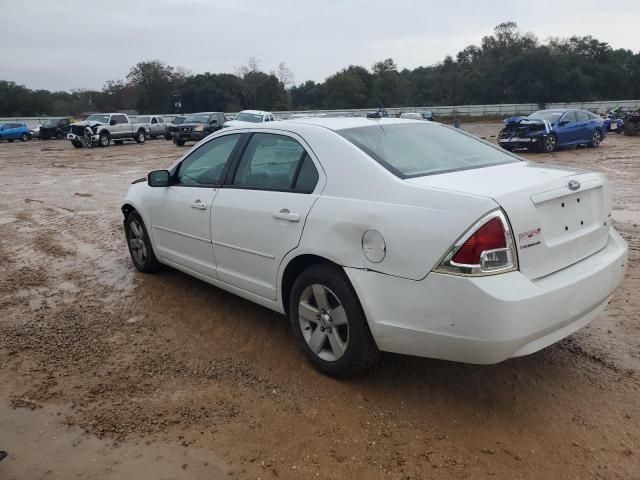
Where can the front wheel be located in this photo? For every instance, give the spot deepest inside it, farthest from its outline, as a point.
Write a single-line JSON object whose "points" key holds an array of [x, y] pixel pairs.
{"points": [[141, 137], [76, 144], [329, 323], [24, 137], [139, 244], [104, 140], [596, 139], [549, 143]]}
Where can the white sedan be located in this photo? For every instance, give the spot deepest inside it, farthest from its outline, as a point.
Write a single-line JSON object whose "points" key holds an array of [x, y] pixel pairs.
{"points": [[385, 235]]}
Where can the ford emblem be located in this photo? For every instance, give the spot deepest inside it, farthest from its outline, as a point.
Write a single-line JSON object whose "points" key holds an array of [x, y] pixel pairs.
{"points": [[573, 185]]}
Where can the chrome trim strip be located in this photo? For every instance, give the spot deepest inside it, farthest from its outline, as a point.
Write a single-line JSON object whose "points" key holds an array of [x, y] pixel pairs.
{"points": [[245, 250]]}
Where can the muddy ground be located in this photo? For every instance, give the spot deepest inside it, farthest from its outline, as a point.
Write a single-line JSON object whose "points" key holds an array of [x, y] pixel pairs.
{"points": [[109, 373]]}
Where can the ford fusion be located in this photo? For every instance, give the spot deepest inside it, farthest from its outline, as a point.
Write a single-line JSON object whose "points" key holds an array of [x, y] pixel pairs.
{"points": [[385, 235]]}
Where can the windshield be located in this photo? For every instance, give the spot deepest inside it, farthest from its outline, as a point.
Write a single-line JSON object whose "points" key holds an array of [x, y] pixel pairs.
{"points": [[249, 117], [417, 149], [98, 118], [551, 116], [197, 118], [178, 120]]}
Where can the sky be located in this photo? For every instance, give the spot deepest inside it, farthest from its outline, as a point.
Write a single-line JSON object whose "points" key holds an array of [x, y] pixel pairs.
{"points": [[68, 44]]}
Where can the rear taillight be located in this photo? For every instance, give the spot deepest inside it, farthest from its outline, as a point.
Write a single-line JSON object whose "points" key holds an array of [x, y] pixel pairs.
{"points": [[486, 248]]}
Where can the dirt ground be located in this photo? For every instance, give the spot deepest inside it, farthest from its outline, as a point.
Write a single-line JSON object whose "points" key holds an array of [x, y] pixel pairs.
{"points": [[109, 373]]}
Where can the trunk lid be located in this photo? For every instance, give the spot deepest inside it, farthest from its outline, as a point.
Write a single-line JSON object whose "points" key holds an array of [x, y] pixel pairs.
{"points": [[554, 226]]}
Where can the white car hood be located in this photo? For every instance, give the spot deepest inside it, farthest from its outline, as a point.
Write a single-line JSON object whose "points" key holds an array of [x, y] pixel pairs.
{"points": [[238, 123]]}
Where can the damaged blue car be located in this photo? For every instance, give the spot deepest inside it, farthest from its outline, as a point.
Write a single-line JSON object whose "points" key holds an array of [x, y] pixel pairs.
{"points": [[548, 130]]}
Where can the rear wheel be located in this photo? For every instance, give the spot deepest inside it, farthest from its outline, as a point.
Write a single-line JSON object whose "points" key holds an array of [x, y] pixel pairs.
{"points": [[139, 244], [329, 323], [24, 137], [596, 139], [141, 136], [549, 143], [104, 139]]}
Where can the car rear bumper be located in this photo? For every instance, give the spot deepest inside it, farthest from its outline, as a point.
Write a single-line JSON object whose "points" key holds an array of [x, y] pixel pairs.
{"points": [[488, 319]]}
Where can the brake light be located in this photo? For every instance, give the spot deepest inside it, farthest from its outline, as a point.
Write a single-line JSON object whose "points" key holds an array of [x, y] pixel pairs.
{"points": [[486, 248], [489, 236]]}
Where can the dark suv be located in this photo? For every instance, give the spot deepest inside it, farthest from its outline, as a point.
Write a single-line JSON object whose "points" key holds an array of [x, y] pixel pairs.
{"points": [[55, 128], [196, 126]]}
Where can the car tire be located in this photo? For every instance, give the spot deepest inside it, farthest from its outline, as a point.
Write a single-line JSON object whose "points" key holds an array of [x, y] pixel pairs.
{"points": [[141, 136], [325, 296], [596, 139], [180, 143], [59, 135], [104, 140], [139, 244], [24, 137], [76, 144], [549, 144]]}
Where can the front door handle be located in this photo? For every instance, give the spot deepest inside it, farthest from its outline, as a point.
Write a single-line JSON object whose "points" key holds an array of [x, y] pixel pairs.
{"points": [[199, 205], [285, 214]]}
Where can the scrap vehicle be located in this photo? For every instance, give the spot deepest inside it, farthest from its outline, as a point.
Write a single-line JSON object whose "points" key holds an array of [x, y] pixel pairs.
{"points": [[632, 123], [99, 129], [427, 116], [171, 127], [380, 113], [614, 120], [14, 131], [450, 248], [56, 127], [246, 117], [197, 126], [155, 122], [548, 130]]}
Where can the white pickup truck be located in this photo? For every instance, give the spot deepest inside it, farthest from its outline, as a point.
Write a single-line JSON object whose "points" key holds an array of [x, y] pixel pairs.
{"points": [[100, 128], [155, 122]]}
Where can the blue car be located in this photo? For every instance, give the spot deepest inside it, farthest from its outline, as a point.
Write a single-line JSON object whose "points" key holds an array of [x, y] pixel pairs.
{"points": [[548, 130], [14, 131]]}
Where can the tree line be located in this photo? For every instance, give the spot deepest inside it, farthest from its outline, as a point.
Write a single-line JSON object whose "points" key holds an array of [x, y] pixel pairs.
{"points": [[508, 66]]}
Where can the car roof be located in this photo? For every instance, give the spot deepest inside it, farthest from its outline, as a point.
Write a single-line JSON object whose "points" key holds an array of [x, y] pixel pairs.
{"points": [[342, 123], [258, 112]]}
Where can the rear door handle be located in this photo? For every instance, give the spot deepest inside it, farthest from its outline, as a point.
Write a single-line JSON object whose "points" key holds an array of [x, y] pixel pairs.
{"points": [[199, 205], [285, 214]]}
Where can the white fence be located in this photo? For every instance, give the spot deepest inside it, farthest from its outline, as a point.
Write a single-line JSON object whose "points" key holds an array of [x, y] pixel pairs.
{"points": [[447, 111]]}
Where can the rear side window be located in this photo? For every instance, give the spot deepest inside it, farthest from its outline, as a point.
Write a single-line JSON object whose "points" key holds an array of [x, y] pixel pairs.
{"points": [[307, 176], [269, 162], [416, 149], [205, 166], [582, 116]]}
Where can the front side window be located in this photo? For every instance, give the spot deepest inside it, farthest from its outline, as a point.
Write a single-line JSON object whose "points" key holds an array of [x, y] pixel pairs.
{"points": [[570, 117], [269, 162], [154, 121], [417, 149], [205, 166]]}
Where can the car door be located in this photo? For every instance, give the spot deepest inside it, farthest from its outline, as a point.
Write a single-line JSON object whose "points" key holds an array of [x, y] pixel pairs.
{"points": [[259, 215], [567, 128], [160, 127], [583, 128], [153, 126], [181, 213]]}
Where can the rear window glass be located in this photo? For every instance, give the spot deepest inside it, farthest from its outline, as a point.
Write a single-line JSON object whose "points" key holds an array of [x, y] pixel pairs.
{"points": [[418, 149]]}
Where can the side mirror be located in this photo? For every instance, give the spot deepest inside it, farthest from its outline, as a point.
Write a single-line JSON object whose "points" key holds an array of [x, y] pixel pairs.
{"points": [[112, 122], [159, 178]]}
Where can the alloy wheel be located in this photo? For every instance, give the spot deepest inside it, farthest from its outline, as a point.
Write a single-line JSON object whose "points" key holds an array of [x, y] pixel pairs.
{"points": [[137, 242], [595, 141], [550, 143], [323, 322]]}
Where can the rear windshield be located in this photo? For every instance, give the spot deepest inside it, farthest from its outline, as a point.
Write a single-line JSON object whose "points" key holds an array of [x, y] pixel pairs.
{"points": [[418, 149]]}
